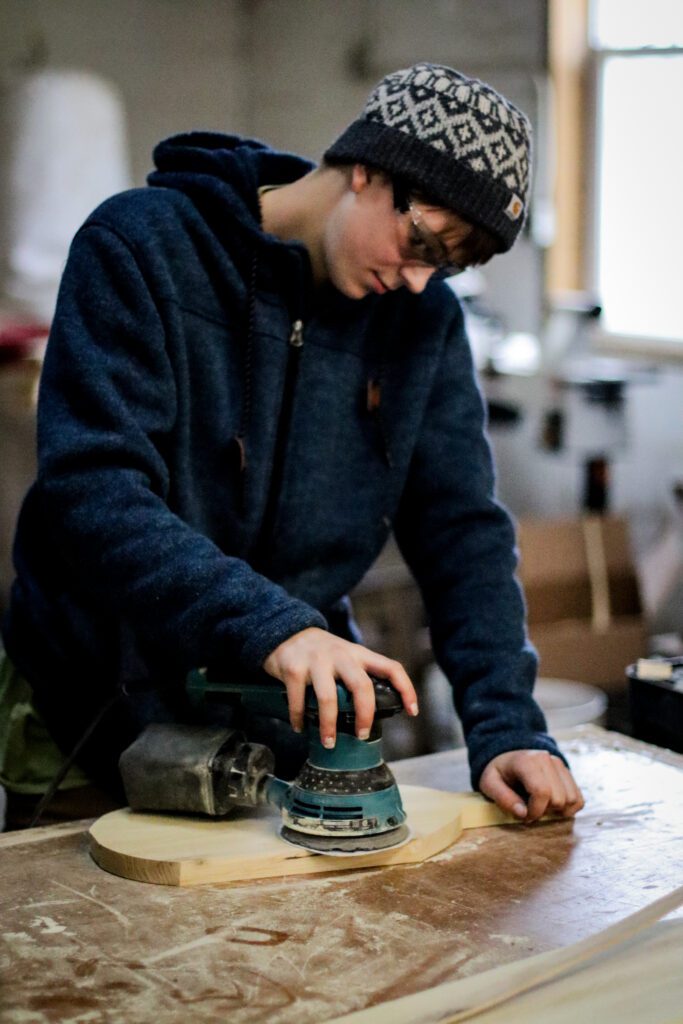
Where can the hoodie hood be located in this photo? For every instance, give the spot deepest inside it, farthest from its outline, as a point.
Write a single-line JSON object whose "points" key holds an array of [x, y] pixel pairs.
{"points": [[224, 172]]}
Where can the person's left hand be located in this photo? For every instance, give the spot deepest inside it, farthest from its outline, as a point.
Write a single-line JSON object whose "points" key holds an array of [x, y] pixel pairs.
{"points": [[546, 780]]}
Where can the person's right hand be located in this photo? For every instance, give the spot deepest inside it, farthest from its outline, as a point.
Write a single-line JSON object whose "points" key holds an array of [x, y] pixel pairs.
{"points": [[319, 658]]}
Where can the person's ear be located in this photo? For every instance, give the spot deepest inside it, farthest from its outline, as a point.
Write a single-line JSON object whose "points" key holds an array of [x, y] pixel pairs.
{"points": [[360, 178]]}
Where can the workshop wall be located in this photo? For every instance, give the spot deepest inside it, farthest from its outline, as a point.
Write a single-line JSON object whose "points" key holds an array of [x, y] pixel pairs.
{"points": [[176, 63], [292, 73]]}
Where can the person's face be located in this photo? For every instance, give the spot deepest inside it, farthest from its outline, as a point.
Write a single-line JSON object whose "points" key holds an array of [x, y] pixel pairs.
{"points": [[369, 246]]}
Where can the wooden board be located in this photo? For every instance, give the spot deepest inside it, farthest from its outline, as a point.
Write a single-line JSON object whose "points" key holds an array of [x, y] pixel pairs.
{"points": [[627, 972], [175, 850], [77, 942]]}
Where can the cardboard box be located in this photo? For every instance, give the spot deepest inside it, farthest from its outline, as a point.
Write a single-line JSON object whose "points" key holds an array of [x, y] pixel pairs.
{"points": [[584, 608]]}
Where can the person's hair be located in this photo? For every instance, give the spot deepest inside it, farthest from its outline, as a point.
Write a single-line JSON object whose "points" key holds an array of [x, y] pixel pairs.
{"points": [[477, 248]]}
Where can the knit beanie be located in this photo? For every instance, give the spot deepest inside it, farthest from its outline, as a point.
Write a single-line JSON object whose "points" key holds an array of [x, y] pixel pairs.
{"points": [[451, 137]]}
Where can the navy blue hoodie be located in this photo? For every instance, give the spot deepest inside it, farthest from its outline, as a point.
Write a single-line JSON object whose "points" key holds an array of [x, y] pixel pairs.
{"points": [[208, 486]]}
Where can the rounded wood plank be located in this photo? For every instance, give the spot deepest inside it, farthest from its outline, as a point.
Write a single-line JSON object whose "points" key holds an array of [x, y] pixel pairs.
{"points": [[175, 850]]}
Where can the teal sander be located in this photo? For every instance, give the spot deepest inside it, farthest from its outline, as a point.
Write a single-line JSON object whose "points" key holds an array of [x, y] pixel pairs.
{"points": [[343, 801]]}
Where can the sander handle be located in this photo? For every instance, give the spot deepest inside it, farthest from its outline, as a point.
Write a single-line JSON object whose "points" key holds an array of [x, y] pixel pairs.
{"points": [[265, 697]]}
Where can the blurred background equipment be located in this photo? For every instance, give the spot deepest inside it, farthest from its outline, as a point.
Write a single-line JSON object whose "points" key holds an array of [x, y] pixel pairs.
{"points": [[64, 151], [656, 698]]}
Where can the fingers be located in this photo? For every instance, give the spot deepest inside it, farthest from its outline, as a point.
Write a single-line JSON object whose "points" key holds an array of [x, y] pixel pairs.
{"points": [[359, 684], [493, 786], [539, 788], [544, 789], [323, 683], [317, 657], [574, 800], [543, 777], [557, 792], [394, 673], [546, 780], [296, 700]]}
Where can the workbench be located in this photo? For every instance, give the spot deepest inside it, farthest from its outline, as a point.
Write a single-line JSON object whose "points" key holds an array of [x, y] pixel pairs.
{"points": [[80, 945]]}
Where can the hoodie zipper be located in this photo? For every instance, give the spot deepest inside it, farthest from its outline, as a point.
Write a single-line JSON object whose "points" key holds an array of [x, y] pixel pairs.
{"points": [[296, 337], [295, 344]]}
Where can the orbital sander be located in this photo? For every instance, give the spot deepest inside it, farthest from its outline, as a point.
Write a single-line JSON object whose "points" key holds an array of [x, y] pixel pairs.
{"points": [[344, 800]]}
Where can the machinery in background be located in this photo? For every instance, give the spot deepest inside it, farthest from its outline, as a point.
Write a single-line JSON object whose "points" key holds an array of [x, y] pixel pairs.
{"points": [[656, 700]]}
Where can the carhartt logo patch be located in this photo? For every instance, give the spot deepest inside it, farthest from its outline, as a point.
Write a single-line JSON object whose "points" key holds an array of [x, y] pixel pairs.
{"points": [[514, 208]]}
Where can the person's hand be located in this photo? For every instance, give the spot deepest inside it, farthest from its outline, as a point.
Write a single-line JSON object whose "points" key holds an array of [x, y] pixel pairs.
{"points": [[544, 778], [317, 657]]}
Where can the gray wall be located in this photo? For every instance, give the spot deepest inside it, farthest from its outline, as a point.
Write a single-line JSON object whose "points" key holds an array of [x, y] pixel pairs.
{"points": [[178, 64], [293, 72]]}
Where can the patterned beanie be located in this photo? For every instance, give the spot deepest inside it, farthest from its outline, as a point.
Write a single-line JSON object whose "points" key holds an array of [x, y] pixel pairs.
{"points": [[451, 137]]}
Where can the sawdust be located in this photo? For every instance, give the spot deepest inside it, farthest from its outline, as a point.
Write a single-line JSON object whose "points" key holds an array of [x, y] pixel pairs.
{"points": [[299, 951], [512, 940], [464, 846], [290, 951]]}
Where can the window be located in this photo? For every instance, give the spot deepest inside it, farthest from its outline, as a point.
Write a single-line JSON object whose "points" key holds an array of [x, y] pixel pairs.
{"points": [[637, 244]]}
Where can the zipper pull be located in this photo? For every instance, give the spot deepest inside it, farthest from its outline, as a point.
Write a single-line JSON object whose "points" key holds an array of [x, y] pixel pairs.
{"points": [[296, 338]]}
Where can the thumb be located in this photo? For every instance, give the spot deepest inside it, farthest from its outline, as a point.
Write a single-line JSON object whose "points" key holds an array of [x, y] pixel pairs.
{"points": [[493, 786]]}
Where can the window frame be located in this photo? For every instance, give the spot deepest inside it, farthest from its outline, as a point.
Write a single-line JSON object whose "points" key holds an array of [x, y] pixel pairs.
{"points": [[604, 341], [576, 64]]}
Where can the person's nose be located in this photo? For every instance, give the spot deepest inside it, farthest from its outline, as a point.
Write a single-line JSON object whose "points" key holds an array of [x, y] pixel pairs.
{"points": [[414, 277]]}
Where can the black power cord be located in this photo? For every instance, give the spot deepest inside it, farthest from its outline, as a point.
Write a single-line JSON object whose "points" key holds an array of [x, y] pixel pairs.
{"points": [[61, 773]]}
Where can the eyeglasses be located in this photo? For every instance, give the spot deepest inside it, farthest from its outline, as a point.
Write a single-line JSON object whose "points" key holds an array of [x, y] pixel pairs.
{"points": [[424, 246]]}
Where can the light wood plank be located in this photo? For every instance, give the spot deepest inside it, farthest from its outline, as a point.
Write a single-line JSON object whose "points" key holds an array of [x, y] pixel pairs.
{"points": [[191, 851]]}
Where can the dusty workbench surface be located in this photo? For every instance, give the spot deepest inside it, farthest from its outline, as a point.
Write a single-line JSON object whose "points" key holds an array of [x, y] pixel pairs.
{"points": [[80, 945]]}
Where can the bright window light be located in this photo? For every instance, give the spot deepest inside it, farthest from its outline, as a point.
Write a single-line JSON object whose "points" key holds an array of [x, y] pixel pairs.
{"points": [[640, 196], [632, 24], [639, 147]]}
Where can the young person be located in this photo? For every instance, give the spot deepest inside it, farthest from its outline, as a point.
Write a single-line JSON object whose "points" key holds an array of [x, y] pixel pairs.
{"points": [[253, 376]]}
